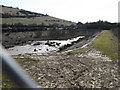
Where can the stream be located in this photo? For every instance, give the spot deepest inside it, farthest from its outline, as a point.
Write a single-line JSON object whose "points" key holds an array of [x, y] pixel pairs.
{"points": [[42, 47]]}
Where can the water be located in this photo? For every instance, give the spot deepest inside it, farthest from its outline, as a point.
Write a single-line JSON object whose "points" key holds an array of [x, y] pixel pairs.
{"points": [[41, 47]]}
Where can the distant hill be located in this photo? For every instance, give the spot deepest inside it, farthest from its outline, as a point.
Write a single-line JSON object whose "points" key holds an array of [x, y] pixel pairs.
{"points": [[12, 15], [16, 12]]}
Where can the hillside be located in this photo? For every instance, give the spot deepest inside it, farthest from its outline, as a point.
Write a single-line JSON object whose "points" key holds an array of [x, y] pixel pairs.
{"points": [[12, 15]]}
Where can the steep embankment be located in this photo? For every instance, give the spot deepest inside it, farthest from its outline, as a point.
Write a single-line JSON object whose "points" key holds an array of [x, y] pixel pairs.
{"points": [[105, 42], [81, 68]]}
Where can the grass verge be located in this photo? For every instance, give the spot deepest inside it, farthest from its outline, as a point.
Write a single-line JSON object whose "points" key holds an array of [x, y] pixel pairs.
{"points": [[107, 43], [80, 51]]}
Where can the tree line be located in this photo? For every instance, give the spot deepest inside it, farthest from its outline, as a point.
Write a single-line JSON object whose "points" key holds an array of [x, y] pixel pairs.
{"points": [[99, 25]]}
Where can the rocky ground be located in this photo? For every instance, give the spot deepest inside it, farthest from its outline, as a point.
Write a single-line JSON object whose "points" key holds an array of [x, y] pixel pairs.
{"points": [[60, 70]]}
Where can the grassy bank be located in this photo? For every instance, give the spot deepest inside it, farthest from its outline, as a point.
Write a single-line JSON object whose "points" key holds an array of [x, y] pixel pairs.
{"points": [[107, 43]]}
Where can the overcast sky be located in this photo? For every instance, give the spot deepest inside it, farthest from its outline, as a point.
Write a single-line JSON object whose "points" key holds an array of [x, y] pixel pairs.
{"points": [[72, 10]]}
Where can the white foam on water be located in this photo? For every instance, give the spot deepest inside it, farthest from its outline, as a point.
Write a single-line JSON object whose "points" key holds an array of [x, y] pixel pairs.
{"points": [[41, 47]]}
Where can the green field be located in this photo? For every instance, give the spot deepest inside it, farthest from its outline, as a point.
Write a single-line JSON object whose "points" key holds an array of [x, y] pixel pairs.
{"points": [[36, 20]]}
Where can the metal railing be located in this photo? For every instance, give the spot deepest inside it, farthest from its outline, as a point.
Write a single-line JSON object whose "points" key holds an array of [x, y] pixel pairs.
{"points": [[16, 73]]}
